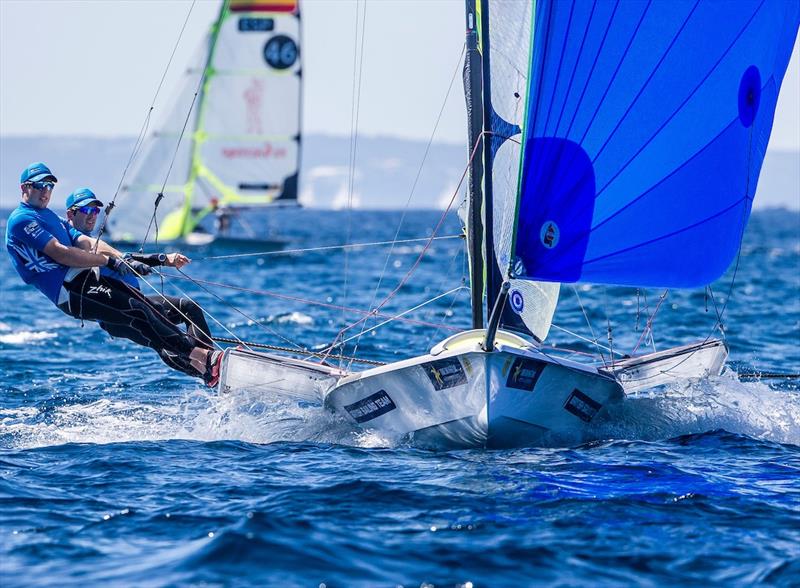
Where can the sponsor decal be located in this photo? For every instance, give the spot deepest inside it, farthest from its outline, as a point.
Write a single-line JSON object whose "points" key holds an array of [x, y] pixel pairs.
{"points": [[259, 187], [280, 52], [524, 373], [582, 406], [99, 290], [549, 234], [517, 301], [445, 373], [253, 97], [371, 407], [250, 24], [33, 229], [265, 152]]}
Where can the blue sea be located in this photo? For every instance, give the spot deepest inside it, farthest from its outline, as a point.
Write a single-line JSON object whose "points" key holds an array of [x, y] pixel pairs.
{"points": [[115, 470]]}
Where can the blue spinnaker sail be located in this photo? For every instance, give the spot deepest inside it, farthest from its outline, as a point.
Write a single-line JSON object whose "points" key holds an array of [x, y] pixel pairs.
{"points": [[645, 130]]}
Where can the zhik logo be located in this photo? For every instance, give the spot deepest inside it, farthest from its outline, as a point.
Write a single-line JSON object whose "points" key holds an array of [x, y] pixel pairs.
{"points": [[99, 290]]}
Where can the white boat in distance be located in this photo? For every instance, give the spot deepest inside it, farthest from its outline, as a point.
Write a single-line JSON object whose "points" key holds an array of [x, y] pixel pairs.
{"points": [[613, 143]]}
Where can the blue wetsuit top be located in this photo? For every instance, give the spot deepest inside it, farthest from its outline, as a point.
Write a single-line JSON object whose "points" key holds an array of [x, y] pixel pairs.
{"points": [[106, 271], [28, 230]]}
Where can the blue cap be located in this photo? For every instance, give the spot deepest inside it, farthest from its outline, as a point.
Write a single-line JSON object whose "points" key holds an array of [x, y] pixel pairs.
{"points": [[82, 197], [36, 172]]}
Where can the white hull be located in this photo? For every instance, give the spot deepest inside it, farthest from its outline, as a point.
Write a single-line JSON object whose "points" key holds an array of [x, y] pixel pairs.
{"points": [[461, 396], [698, 360]]}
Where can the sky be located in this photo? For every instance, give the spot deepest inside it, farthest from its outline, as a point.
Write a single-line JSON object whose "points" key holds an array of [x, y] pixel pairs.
{"points": [[92, 67]]}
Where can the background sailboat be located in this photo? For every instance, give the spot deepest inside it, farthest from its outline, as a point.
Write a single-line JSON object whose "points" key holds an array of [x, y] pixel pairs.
{"points": [[239, 154]]}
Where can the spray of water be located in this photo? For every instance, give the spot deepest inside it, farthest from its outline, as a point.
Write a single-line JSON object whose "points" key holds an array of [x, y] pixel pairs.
{"points": [[751, 408]]}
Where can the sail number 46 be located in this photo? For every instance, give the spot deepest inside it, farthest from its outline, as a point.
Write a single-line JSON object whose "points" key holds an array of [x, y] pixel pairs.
{"points": [[280, 52]]}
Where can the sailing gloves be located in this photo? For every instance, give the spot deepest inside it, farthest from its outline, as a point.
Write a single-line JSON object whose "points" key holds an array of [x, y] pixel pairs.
{"points": [[129, 266], [151, 259]]}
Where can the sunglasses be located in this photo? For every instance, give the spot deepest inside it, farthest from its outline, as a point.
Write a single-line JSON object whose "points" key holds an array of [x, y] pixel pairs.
{"points": [[42, 185], [88, 210]]}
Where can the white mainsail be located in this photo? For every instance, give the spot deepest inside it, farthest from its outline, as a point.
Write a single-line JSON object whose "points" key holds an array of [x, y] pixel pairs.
{"points": [[241, 147]]}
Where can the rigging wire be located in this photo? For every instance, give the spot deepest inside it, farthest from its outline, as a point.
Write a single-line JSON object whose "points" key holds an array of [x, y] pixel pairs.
{"points": [[160, 196], [301, 300], [594, 338], [405, 312], [325, 248], [290, 350], [416, 263], [594, 342], [143, 131], [416, 180], [648, 327], [167, 301], [355, 106], [252, 320]]}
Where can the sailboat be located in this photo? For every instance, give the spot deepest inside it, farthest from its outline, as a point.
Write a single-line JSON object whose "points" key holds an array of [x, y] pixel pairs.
{"points": [[610, 143], [225, 160]]}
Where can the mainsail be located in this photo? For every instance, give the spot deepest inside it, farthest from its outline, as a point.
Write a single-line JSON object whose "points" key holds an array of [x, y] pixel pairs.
{"points": [[623, 140], [241, 147]]}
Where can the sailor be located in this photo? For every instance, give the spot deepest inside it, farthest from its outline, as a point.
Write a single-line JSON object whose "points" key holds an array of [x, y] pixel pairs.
{"points": [[83, 209], [61, 263]]}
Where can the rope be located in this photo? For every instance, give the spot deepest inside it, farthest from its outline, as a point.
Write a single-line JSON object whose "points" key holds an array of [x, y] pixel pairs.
{"points": [[595, 342], [648, 327], [188, 320], [414, 184], [143, 131], [594, 338], [245, 315], [290, 350], [302, 300], [325, 248], [424, 249], [390, 319]]}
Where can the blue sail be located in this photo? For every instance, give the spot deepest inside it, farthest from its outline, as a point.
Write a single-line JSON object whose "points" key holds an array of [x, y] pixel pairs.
{"points": [[646, 127]]}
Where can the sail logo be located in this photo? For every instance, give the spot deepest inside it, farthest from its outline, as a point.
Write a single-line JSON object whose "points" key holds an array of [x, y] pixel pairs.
{"points": [[524, 374], [370, 407], [445, 373], [265, 152], [517, 301], [549, 234]]}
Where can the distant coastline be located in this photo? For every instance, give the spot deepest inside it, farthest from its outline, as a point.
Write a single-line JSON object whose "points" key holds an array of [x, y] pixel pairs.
{"points": [[385, 172]]}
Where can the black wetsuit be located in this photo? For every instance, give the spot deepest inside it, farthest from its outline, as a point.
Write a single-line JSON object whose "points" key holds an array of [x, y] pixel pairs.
{"points": [[123, 311], [184, 311]]}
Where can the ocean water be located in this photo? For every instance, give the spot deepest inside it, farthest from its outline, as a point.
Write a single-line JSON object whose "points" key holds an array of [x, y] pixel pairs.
{"points": [[115, 470]]}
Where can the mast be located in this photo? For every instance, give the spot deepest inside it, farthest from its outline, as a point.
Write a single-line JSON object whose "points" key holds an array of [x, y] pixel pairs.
{"points": [[186, 227], [493, 277], [472, 92]]}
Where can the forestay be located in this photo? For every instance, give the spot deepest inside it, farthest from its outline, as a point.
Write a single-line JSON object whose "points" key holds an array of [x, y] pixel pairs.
{"points": [[241, 146]]}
